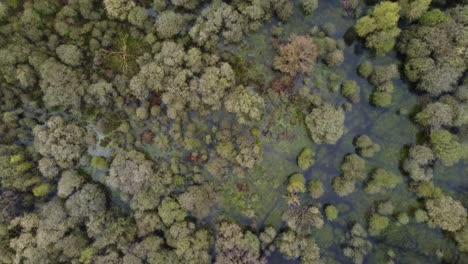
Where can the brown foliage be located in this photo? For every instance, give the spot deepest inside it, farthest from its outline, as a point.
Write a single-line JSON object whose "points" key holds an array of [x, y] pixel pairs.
{"points": [[297, 56], [282, 85]]}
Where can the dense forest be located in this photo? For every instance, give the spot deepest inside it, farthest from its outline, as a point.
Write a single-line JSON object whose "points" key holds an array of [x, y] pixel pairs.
{"points": [[233, 131]]}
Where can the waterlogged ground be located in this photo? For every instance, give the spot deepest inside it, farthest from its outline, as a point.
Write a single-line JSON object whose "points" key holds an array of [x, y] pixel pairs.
{"points": [[390, 127], [283, 135]]}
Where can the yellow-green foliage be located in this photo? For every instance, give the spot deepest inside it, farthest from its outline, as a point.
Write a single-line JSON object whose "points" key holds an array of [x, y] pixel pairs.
{"points": [[296, 183], [315, 188], [331, 212], [366, 147], [446, 147], [351, 91], [382, 180], [306, 158], [42, 190], [377, 223], [380, 27], [99, 163]]}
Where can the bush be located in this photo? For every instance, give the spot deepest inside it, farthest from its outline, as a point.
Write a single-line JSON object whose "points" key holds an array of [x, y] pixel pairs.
{"points": [[365, 69], [377, 224], [331, 212], [365, 147], [315, 188], [351, 90], [42, 190], [296, 183], [306, 158], [382, 180]]}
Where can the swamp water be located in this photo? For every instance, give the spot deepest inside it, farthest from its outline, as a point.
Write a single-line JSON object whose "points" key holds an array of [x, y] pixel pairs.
{"points": [[265, 191]]}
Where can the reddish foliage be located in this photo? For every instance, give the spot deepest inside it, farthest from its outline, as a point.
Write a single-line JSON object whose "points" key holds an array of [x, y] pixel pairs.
{"points": [[282, 85], [147, 137], [155, 99], [297, 56]]}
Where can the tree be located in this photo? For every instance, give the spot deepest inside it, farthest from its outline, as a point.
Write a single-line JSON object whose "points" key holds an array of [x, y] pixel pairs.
{"points": [[170, 211], [446, 147], [170, 24], [130, 172], [436, 115], [61, 85], [61, 141], [118, 9], [89, 202], [294, 246], [302, 218], [306, 158], [297, 56], [414, 9], [447, 213], [69, 54], [380, 27], [378, 223], [246, 104], [233, 245], [325, 124], [418, 164], [309, 6]]}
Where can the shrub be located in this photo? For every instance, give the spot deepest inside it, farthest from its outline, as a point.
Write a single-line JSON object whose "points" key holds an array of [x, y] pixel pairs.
{"points": [[351, 90], [42, 190], [365, 69], [296, 183], [315, 188], [306, 158], [378, 223], [331, 212], [365, 147], [382, 180]]}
